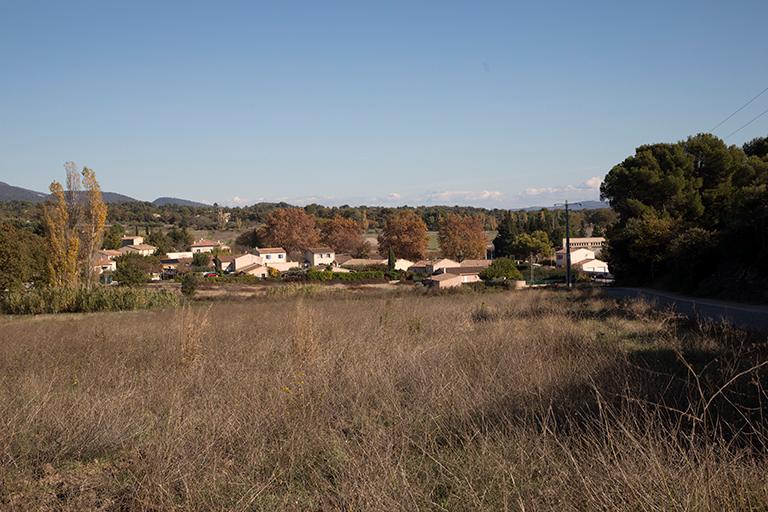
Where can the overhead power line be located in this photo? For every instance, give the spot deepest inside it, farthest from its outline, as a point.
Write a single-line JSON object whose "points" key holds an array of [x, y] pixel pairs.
{"points": [[718, 125], [758, 116]]}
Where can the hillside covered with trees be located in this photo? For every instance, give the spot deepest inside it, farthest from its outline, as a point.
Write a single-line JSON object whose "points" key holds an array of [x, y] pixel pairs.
{"points": [[692, 216]]}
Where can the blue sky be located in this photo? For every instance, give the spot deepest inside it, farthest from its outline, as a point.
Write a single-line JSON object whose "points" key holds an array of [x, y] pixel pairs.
{"points": [[498, 104]]}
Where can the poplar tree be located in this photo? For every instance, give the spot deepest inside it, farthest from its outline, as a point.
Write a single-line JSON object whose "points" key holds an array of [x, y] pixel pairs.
{"points": [[62, 240], [93, 228]]}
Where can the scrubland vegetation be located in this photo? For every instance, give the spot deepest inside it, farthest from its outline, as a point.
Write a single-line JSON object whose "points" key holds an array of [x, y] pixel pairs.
{"points": [[536, 400], [39, 301]]}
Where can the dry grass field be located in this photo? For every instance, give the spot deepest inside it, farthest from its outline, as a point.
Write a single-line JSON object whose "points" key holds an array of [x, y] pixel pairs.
{"points": [[534, 400]]}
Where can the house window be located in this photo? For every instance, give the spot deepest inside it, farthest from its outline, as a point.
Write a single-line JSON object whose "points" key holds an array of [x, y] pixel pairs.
{"points": [[279, 256], [269, 256]]}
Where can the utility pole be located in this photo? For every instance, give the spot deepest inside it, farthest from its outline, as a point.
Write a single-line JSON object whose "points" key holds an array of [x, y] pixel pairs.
{"points": [[567, 247], [568, 282], [531, 260]]}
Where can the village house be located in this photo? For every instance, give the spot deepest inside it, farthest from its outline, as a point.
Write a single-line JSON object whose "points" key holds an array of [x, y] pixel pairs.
{"points": [[592, 266], [593, 243], [109, 254], [445, 280], [171, 265], [203, 245], [576, 256], [233, 264], [431, 267], [179, 255], [255, 269], [316, 256], [143, 249], [131, 240], [104, 264], [275, 257], [400, 263]]}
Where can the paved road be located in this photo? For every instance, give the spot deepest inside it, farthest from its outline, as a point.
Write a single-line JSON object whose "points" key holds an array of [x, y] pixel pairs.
{"points": [[745, 316]]}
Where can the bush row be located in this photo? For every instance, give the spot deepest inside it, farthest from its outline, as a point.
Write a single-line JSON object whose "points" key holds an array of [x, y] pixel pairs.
{"points": [[367, 275], [69, 300]]}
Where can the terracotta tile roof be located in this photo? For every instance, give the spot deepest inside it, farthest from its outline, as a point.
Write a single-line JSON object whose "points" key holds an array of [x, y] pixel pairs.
{"points": [[362, 262], [253, 266], [464, 271], [343, 258], [137, 247], [269, 250], [206, 243], [444, 277], [476, 263]]}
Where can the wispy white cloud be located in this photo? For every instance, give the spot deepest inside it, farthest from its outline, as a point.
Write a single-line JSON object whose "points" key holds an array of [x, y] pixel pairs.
{"points": [[594, 182], [532, 196], [463, 196]]}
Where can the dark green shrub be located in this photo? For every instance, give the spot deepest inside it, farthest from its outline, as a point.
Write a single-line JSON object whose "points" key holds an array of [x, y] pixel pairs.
{"points": [[188, 284], [502, 268], [368, 275]]}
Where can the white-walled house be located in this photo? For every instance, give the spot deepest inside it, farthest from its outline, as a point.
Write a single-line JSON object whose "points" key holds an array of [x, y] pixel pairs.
{"points": [[400, 263], [103, 264], [576, 256], [238, 263], [593, 266], [315, 256], [275, 257], [592, 243], [131, 240], [183, 255], [203, 245], [108, 254], [256, 269], [143, 249]]}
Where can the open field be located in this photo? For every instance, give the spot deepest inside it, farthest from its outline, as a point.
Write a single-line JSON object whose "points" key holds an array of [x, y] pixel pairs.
{"points": [[535, 400]]}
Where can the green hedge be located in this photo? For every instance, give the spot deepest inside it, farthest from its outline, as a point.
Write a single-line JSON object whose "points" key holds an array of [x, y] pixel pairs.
{"points": [[368, 275], [68, 300]]}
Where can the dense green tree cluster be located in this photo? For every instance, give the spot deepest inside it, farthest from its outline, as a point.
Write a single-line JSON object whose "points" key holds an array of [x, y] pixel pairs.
{"points": [[22, 256], [692, 215], [516, 228]]}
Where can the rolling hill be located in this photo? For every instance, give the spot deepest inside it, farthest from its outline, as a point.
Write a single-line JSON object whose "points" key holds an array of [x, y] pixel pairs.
{"points": [[12, 193]]}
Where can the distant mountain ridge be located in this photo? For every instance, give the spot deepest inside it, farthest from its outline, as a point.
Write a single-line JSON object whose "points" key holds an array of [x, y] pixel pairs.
{"points": [[162, 201], [12, 193], [575, 206]]}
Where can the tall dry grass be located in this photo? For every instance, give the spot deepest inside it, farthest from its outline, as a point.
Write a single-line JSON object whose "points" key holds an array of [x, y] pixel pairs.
{"points": [[501, 401]]}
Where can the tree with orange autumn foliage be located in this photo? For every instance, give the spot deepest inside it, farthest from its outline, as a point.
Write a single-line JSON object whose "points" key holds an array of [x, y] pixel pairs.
{"points": [[290, 228], [61, 239], [462, 237], [74, 228], [406, 233], [92, 230], [342, 235]]}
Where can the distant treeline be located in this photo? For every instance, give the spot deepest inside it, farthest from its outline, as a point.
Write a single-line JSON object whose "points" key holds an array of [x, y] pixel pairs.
{"points": [[144, 217], [693, 216]]}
